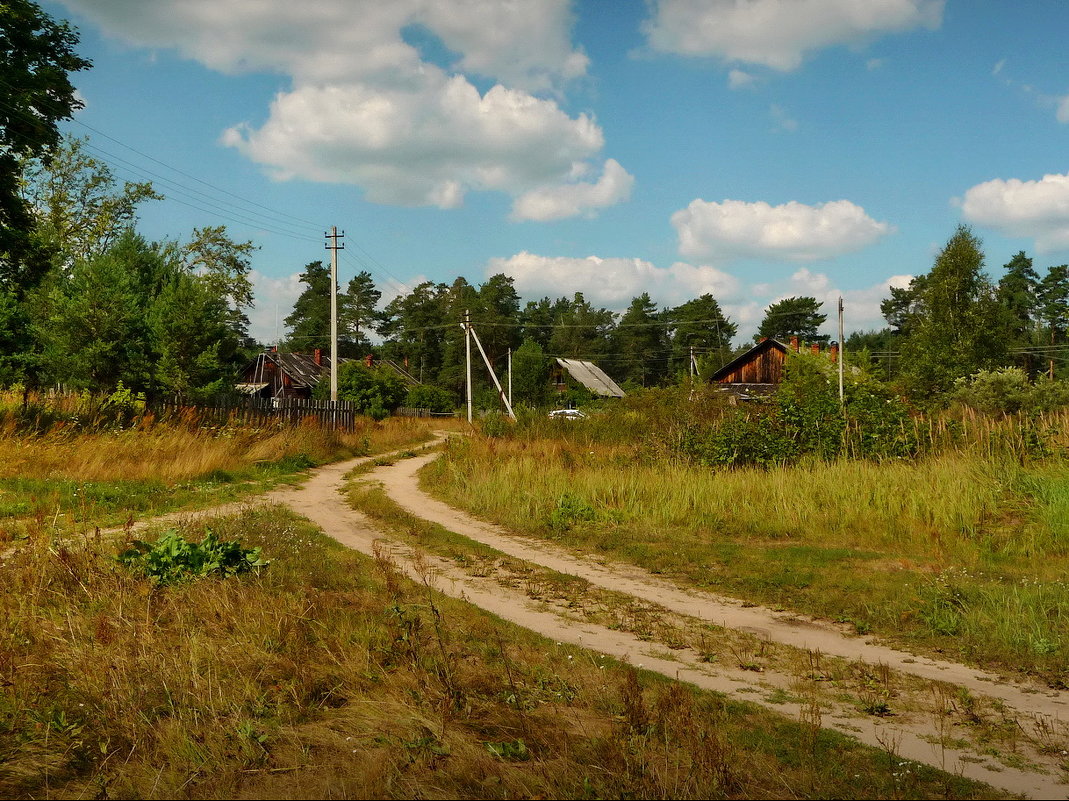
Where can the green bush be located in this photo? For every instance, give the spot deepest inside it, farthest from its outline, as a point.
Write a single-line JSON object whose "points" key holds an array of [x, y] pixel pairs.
{"points": [[435, 399], [1008, 391], [376, 392], [171, 558]]}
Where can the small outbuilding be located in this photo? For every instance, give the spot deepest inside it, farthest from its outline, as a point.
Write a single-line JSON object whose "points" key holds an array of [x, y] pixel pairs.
{"points": [[588, 374], [757, 372]]}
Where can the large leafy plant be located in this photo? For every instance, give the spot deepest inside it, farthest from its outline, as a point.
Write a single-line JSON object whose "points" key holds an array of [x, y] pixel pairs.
{"points": [[172, 558]]}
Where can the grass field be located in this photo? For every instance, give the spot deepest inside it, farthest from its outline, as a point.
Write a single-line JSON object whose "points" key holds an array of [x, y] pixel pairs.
{"points": [[327, 674]]}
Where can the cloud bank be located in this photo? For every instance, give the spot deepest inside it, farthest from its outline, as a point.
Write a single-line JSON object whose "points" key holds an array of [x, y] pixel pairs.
{"points": [[385, 95], [779, 33], [1035, 209], [735, 229]]}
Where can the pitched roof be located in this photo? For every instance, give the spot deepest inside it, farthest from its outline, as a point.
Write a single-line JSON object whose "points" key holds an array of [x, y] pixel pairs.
{"points": [[738, 361], [592, 377]]}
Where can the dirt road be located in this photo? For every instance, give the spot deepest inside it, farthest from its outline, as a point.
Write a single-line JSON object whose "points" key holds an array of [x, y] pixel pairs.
{"points": [[914, 737]]}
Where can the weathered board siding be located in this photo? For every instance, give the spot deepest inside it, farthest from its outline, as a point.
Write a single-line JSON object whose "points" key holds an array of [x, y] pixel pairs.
{"points": [[765, 367]]}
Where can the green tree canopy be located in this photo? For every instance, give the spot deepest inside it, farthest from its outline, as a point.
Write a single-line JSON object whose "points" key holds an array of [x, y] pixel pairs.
{"points": [[701, 324], [37, 55], [358, 310], [640, 343], [223, 266], [793, 317], [958, 333], [530, 375], [78, 207]]}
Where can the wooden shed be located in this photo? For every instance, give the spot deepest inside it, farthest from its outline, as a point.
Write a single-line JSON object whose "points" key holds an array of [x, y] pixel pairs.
{"points": [[756, 372]]}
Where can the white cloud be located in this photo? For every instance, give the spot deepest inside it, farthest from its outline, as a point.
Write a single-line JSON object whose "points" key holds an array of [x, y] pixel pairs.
{"points": [[524, 45], [274, 301], [573, 199], [366, 108], [783, 120], [738, 79], [778, 33], [1037, 209], [735, 229], [1063, 109], [424, 146]]}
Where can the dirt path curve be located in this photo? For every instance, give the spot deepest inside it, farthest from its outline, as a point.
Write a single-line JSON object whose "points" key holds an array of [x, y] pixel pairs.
{"points": [[320, 500]]}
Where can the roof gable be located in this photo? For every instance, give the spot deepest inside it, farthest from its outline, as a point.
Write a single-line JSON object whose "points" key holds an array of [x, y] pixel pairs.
{"points": [[751, 356]]}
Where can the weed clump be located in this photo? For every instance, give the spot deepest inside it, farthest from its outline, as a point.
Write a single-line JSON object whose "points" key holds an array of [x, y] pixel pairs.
{"points": [[172, 558]]}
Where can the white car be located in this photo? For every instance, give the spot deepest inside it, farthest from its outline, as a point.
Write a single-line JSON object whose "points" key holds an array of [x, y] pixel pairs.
{"points": [[566, 414]]}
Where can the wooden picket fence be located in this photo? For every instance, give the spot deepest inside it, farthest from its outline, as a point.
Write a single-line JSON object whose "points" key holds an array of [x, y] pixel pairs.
{"points": [[265, 412]]}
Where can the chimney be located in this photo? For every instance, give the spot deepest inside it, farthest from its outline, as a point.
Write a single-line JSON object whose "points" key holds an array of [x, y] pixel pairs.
{"points": [[763, 339], [368, 360], [815, 348], [834, 352], [274, 348], [794, 344], [317, 356]]}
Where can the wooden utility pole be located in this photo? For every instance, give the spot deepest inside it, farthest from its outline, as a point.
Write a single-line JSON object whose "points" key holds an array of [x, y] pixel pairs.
{"points": [[467, 356], [842, 350], [334, 247]]}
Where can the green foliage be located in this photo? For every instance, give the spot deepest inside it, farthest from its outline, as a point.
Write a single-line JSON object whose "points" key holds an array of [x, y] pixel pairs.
{"points": [[435, 399], [793, 317], [1008, 391], [376, 392], [495, 425], [956, 330], [172, 559], [530, 375], [36, 56]]}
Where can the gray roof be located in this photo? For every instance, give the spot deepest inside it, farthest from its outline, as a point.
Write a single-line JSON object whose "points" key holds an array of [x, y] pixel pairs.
{"points": [[592, 377]]}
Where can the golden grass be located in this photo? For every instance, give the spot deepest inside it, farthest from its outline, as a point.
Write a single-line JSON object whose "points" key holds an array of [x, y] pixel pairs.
{"points": [[176, 452]]}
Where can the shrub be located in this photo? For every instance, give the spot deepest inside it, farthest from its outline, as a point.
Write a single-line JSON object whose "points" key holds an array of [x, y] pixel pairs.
{"points": [[1008, 391], [376, 393], [435, 399]]}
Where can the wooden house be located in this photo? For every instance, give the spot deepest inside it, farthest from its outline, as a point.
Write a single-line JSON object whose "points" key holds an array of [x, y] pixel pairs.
{"points": [[284, 375]]}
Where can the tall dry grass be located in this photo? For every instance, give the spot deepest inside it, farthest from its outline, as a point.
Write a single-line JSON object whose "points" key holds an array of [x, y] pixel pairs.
{"points": [[175, 452]]}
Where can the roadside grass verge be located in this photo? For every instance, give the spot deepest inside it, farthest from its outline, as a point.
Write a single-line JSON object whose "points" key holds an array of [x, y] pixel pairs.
{"points": [[958, 553], [817, 680], [65, 476], [326, 674]]}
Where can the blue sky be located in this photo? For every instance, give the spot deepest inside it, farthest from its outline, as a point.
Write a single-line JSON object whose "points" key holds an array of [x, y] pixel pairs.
{"points": [[756, 149]]}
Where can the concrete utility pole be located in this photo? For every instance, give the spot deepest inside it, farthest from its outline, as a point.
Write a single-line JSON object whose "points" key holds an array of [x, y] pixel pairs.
{"points": [[493, 375], [510, 376], [842, 350], [334, 247]]}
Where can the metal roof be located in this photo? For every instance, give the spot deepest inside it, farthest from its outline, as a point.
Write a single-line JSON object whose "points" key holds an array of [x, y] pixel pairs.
{"points": [[592, 377]]}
